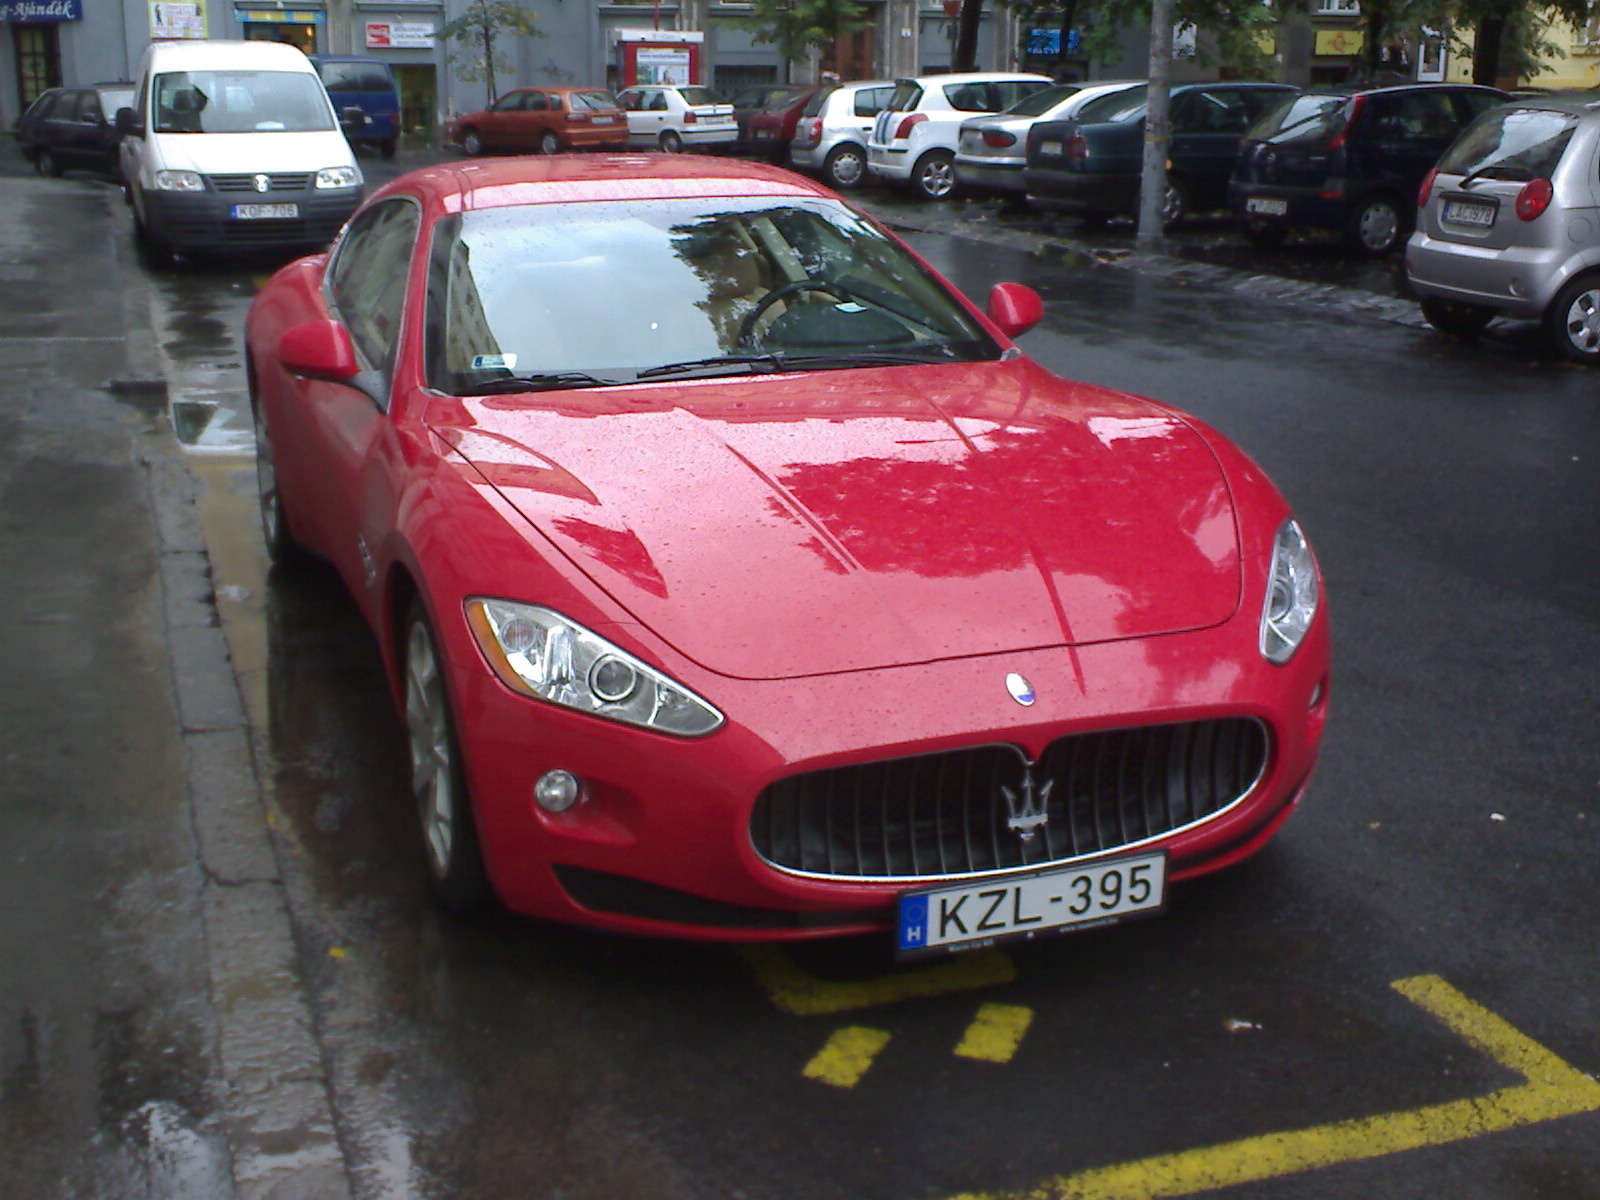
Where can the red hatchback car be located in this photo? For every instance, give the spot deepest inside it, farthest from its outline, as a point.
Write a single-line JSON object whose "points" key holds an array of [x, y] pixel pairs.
{"points": [[544, 120], [737, 578]]}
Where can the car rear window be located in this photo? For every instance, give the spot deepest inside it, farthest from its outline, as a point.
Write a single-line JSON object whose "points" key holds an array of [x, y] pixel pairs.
{"points": [[906, 97], [1301, 119], [1118, 106], [592, 100], [1511, 143], [700, 95]]}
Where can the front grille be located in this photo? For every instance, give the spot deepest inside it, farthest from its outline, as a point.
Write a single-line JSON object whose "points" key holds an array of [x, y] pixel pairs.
{"points": [[276, 183], [965, 812]]}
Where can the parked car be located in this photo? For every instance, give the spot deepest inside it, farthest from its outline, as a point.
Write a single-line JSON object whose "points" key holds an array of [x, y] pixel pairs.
{"points": [[913, 140], [1349, 162], [74, 128], [830, 138], [768, 131], [618, 556], [991, 151], [1506, 225], [367, 86], [543, 120], [1092, 165], [670, 118], [753, 100]]}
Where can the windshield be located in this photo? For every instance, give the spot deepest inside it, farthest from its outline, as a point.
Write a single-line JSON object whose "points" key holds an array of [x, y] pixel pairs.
{"points": [[240, 102], [615, 289], [1511, 143], [1300, 119], [1117, 106]]}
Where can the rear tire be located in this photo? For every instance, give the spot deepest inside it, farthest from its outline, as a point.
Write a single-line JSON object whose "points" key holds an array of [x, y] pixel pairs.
{"points": [[934, 176], [1573, 320], [438, 780], [471, 143], [1457, 320], [1376, 226], [845, 167], [387, 147], [48, 164], [1174, 203]]}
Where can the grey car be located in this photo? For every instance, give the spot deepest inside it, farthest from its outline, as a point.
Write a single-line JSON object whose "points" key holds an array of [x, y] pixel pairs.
{"points": [[830, 138], [992, 150], [1507, 222]]}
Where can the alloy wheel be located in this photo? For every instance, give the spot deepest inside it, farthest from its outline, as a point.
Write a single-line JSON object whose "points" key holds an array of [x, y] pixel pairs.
{"points": [[433, 772]]}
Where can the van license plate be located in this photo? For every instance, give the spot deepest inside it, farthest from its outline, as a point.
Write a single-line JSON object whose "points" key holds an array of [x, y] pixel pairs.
{"points": [[982, 912], [1266, 206], [265, 212], [1468, 212]]}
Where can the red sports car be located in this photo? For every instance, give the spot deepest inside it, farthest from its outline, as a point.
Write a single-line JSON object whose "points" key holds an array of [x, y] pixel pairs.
{"points": [[737, 578]]}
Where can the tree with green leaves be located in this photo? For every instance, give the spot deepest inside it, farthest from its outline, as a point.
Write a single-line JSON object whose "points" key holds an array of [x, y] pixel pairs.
{"points": [[477, 39], [797, 27]]}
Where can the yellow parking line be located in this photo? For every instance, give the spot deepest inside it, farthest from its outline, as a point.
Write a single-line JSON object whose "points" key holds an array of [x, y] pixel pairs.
{"points": [[1553, 1089], [847, 1056], [996, 1033], [797, 991]]}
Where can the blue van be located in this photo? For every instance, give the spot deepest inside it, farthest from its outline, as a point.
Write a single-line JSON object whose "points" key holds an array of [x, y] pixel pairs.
{"points": [[367, 84]]}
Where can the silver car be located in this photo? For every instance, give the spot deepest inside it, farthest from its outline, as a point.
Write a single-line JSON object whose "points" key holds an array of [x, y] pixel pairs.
{"points": [[831, 136], [1508, 224], [992, 150]]}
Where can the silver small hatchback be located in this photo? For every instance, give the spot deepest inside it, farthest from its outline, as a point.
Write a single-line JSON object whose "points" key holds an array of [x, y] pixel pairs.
{"points": [[1508, 224]]}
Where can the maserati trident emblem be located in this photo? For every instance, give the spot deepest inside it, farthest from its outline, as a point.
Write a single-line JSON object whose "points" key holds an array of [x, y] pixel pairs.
{"points": [[263, 183], [1027, 811], [1021, 690]]}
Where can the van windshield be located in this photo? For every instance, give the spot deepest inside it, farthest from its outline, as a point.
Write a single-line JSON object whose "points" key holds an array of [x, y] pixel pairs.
{"points": [[240, 102]]}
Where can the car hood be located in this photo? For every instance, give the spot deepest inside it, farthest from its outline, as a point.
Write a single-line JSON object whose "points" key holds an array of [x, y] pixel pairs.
{"points": [[834, 521]]}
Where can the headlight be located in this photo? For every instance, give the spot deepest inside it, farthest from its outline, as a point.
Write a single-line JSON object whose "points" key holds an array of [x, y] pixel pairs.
{"points": [[179, 181], [338, 177], [1291, 594], [540, 653]]}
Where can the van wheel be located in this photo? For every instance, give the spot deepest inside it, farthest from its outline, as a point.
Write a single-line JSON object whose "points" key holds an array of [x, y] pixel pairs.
{"points": [[1574, 319], [154, 254], [471, 143], [1457, 320], [1375, 227]]}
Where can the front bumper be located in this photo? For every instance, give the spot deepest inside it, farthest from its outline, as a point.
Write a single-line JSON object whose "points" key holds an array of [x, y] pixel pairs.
{"points": [[662, 841], [206, 220]]}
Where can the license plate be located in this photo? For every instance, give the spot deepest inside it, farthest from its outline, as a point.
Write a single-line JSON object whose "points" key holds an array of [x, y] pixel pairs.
{"points": [[265, 212], [1050, 147], [601, 120], [1467, 212], [1266, 206], [980, 913]]}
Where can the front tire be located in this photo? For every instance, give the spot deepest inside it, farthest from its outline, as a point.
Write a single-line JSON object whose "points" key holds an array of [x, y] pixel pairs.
{"points": [[1174, 203], [1375, 227], [283, 548], [845, 167], [549, 143], [48, 164], [387, 147], [934, 176], [438, 782], [1457, 320], [670, 142], [1573, 320]]}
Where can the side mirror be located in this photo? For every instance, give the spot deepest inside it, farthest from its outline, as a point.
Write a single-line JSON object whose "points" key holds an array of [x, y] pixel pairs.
{"points": [[1015, 308], [128, 123], [320, 350]]}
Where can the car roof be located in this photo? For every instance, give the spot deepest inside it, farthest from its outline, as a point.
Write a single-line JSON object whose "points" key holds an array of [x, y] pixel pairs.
{"points": [[1398, 89], [1578, 103], [540, 179], [974, 77]]}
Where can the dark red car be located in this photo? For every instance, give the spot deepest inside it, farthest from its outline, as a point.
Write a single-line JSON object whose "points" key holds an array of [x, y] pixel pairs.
{"points": [[737, 578], [544, 120], [768, 131]]}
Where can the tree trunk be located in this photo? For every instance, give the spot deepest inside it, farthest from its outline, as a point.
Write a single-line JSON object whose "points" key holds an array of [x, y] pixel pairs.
{"points": [[1372, 51], [1486, 50], [966, 52], [1069, 17], [488, 61]]}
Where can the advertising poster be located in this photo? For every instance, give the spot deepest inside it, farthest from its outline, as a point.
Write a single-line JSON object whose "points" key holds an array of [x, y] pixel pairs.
{"points": [[664, 65], [177, 19]]}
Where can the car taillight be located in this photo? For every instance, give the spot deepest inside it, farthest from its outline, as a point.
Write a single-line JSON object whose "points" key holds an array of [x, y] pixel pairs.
{"points": [[908, 123], [1534, 198], [1349, 122], [1426, 189], [1077, 146], [577, 118], [690, 117], [813, 131], [999, 138]]}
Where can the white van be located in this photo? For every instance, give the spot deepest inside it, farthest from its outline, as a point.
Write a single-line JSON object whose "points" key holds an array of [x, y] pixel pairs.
{"points": [[234, 145]]}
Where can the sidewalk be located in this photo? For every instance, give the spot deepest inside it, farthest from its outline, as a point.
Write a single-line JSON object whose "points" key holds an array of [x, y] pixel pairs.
{"points": [[154, 1039]]}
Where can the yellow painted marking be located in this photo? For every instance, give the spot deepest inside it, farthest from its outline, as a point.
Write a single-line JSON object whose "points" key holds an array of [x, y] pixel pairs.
{"points": [[1553, 1089], [847, 1056], [996, 1033], [795, 990]]}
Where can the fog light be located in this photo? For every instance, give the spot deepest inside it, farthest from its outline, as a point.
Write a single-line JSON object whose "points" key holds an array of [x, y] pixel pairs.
{"points": [[557, 791]]}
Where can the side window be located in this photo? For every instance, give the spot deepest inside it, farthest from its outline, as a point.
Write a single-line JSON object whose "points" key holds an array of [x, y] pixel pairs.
{"points": [[629, 101], [510, 102], [1221, 110], [89, 109], [368, 280], [536, 102], [658, 102], [1474, 104], [1427, 115]]}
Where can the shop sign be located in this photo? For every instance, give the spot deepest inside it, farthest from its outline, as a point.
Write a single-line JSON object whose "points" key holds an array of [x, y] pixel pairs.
{"points": [[399, 35], [41, 10]]}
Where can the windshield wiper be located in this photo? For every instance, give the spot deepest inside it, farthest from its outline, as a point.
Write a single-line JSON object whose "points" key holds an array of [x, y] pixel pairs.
{"points": [[872, 358], [536, 383], [725, 364], [1471, 178]]}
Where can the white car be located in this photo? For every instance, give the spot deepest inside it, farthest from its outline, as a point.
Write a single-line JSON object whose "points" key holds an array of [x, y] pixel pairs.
{"points": [[831, 137], [913, 140], [669, 118], [992, 150]]}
